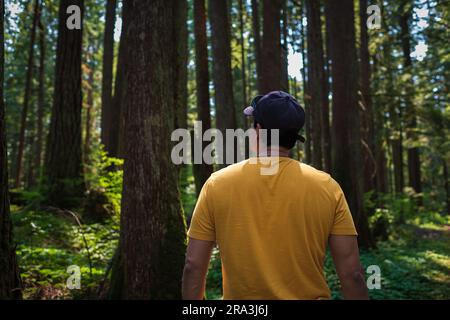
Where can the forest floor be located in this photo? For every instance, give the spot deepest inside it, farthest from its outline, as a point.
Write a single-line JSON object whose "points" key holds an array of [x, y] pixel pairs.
{"points": [[414, 263]]}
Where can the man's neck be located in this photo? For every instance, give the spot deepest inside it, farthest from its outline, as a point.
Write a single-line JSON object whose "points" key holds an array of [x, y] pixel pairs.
{"points": [[276, 152]]}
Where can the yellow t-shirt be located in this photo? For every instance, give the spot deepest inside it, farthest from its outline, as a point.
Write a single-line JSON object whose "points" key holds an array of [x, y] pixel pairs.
{"points": [[271, 230]]}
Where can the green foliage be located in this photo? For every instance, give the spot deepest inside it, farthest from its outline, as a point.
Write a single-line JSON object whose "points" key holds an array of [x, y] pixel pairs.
{"points": [[48, 243], [106, 174]]}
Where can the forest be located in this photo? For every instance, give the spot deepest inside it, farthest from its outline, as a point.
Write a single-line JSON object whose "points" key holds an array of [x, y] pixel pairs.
{"points": [[93, 207]]}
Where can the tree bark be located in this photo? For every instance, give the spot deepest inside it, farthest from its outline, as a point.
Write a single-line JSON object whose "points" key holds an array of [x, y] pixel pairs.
{"points": [[347, 160], [63, 167], [201, 171], [10, 287], [222, 76], [271, 67], [152, 239], [107, 79], [181, 62], [315, 78], [257, 43], [26, 100], [89, 115]]}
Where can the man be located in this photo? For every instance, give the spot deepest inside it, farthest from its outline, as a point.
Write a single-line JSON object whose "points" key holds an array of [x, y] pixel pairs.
{"points": [[272, 230]]}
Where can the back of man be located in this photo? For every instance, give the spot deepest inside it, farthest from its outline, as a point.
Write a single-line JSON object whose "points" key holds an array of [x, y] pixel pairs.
{"points": [[271, 229]]}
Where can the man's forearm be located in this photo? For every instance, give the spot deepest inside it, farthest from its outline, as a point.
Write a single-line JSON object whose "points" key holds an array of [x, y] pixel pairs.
{"points": [[193, 287], [354, 287]]}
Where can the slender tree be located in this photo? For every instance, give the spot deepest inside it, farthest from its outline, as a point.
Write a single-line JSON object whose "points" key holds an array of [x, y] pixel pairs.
{"points": [[347, 158], [63, 167], [9, 276], [315, 78], [107, 79], [271, 67], [152, 238], [414, 174], [181, 61], [26, 100], [201, 171], [366, 101], [222, 76], [116, 113], [257, 42], [39, 144]]}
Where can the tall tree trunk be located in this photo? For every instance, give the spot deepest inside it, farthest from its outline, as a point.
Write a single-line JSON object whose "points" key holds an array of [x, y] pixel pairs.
{"points": [[26, 100], [284, 49], [222, 76], [367, 114], [411, 117], [10, 287], [306, 97], [181, 62], [63, 167], [201, 171], [326, 130], [315, 78], [41, 101], [271, 67], [347, 159], [395, 115], [116, 129], [107, 79], [243, 56], [257, 43], [152, 240], [89, 116]]}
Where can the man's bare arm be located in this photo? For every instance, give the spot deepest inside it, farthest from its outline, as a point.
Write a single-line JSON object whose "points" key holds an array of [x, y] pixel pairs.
{"points": [[197, 261], [345, 253]]}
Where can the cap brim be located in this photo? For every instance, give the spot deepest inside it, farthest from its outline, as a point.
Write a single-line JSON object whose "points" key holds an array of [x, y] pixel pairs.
{"points": [[301, 138], [249, 111]]}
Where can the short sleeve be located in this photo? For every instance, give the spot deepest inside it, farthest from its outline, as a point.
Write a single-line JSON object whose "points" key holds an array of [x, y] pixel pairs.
{"points": [[202, 222], [343, 221]]}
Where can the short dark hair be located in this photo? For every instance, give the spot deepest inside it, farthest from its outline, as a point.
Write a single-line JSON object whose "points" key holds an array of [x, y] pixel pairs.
{"points": [[287, 137]]}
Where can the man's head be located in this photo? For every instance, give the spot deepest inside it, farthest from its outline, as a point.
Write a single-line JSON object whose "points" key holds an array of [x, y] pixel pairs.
{"points": [[278, 110]]}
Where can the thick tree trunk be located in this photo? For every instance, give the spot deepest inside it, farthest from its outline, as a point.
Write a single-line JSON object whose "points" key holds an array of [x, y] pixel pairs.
{"points": [[107, 79], [201, 171], [63, 167], [315, 78], [347, 158], [26, 100], [152, 240], [222, 76], [257, 43], [411, 117], [10, 287], [271, 67], [367, 114]]}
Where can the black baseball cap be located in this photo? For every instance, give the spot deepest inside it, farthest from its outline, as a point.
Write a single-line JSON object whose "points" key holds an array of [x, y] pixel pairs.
{"points": [[277, 110]]}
